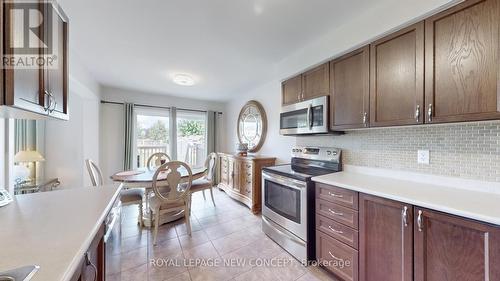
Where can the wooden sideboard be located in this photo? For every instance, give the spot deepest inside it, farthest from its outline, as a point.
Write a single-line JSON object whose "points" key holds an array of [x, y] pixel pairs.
{"points": [[240, 178]]}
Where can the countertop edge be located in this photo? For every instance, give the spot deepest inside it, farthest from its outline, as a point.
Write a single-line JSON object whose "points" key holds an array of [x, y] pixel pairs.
{"points": [[70, 271], [452, 211]]}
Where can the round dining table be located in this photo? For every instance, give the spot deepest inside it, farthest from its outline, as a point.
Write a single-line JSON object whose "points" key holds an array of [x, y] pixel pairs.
{"points": [[143, 178]]}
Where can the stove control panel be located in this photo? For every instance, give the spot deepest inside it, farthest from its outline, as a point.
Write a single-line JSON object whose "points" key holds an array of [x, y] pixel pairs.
{"points": [[317, 153]]}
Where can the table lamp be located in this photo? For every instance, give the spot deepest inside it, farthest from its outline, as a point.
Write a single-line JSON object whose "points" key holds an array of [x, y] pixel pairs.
{"points": [[29, 156]]}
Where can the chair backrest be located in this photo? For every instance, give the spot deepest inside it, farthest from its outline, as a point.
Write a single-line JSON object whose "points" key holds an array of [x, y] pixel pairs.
{"points": [[171, 174], [156, 159], [94, 173], [211, 164]]}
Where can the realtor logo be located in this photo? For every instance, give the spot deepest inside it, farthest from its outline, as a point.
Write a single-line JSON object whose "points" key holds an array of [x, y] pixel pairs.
{"points": [[31, 42]]}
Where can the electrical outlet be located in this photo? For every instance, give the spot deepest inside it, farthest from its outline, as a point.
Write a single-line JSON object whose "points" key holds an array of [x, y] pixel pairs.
{"points": [[423, 157]]}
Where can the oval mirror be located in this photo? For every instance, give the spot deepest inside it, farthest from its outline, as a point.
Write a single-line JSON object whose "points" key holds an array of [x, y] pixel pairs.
{"points": [[252, 125]]}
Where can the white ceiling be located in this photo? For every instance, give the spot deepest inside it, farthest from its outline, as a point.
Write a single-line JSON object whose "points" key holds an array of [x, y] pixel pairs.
{"points": [[226, 45]]}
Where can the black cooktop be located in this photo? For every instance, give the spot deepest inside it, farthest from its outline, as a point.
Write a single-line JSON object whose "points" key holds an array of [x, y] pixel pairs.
{"points": [[304, 171]]}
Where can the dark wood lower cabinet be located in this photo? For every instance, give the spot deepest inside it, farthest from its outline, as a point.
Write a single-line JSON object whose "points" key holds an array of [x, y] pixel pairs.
{"points": [[401, 242], [93, 267], [386, 239], [452, 248]]}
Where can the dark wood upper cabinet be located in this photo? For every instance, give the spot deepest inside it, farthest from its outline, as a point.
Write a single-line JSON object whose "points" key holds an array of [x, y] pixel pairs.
{"points": [[397, 78], [386, 239], [462, 67], [452, 248], [55, 81], [29, 92], [22, 85], [308, 85], [350, 90], [316, 82], [291, 90]]}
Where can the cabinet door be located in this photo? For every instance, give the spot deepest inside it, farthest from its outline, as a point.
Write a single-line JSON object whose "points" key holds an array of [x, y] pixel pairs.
{"points": [[462, 63], [22, 81], [224, 170], [349, 82], [316, 82], [234, 174], [397, 78], [246, 179], [56, 75], [453, 248], [386, 239], [291, 90]]}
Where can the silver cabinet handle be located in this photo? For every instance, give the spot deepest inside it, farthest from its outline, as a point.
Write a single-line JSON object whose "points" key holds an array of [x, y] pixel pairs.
{"points": [[334, 257], [365, 119], [404, 215], [89, 262], [429, 113], [335, 231], [420, 222], [335, 195], [335, 213], [49, 100], [417, 113], [55, 103]]}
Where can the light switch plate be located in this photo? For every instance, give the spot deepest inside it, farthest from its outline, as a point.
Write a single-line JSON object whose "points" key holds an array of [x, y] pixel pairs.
{"points": [[423, 157]]}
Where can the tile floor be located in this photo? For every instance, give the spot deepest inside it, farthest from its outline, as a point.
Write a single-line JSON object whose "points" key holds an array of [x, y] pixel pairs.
{"points": [[226, 244]]}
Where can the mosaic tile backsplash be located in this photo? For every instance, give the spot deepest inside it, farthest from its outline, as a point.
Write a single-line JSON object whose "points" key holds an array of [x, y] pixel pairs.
{"points": [[466, 150]]}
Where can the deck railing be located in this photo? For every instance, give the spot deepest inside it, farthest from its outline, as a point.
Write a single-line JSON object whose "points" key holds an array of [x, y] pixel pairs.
{"points": [[145, 151]]}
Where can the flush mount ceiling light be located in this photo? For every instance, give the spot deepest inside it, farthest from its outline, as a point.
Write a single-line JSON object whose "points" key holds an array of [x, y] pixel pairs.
{"points": [[183, 80]]}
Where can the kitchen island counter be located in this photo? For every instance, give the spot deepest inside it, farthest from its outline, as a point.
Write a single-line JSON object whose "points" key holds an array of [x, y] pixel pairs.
{"points": [[53, 229]]}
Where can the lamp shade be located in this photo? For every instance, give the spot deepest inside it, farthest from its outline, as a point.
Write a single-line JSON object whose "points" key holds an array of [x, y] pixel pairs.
{"points": [[28, 156]]}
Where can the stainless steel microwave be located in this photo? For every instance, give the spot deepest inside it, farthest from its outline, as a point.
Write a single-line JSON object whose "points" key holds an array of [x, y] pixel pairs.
{"points": [[307, 117]]}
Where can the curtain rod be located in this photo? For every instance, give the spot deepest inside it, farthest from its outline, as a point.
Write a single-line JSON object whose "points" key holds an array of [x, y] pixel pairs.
{"points": [[157, 106]]}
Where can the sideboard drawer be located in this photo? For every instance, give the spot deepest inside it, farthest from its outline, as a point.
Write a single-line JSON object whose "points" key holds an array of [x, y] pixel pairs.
{"points": [[337, 213], [337, 257], [338, 231], [337, 195]]}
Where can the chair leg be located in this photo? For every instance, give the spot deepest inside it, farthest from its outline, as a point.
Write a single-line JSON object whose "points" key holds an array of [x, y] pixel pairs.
{"points": [[140, 221], [187, 212], [157, 224], [212, 195], [190, 200], [204, 198]]}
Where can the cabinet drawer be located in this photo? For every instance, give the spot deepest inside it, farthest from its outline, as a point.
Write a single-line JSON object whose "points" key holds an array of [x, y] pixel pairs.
{"points": [[337, 213], [341, 196], [338, 231], [337, 257]]}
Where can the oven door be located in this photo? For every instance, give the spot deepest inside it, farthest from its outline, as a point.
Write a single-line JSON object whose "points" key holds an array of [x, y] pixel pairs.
{"points": [[285, 203], [307, 117]]}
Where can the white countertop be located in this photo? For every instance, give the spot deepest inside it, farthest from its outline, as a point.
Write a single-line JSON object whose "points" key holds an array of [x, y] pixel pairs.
{"points": [[449, 195], [52, 229]]}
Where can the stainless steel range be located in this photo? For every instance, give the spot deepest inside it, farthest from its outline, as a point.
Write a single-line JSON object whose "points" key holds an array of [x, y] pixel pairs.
{"points": [[288, 198]]}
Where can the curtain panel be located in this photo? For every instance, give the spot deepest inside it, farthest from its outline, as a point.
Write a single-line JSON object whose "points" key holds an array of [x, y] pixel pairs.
{"points": [[128, 160]]}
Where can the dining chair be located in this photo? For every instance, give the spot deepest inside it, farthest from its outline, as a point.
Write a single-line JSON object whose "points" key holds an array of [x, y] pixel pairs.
{"points": [[157, 159], [127, 196], [171, 199], [208, 180]]}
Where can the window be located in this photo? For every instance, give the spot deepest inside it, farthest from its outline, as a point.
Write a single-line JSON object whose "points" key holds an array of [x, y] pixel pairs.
{"points": [[152, 134], [191, 137]]}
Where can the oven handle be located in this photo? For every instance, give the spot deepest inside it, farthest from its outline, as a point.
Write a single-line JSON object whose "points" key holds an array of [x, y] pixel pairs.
{"points": [[299, 185], [296, 240]]}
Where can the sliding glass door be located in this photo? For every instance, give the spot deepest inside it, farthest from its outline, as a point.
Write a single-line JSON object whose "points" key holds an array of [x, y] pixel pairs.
{"points": [[152, 134], [191, 137]]}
